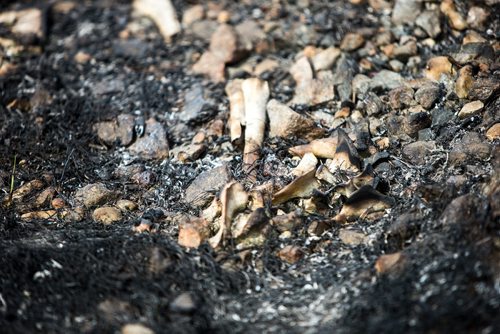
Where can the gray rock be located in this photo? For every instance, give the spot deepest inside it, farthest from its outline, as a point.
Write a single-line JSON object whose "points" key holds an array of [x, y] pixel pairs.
{"points": [[195, 104], [405, 11], [204, 188], [429, 20], [401, 97], [373, 104], [153, 145], [386, 80], [344, 72], [428, 95], [184, 303], [352, 238], [441, 117], [93, 194], [361, 85], [426, 135], [417, 151]]}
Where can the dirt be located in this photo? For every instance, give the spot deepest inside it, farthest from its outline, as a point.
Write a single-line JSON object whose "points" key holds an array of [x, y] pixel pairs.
{"points": [[86, 277]]}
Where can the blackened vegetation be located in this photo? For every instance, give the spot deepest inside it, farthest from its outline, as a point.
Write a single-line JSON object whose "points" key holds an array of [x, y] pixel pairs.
{"points": [[83, 277]]}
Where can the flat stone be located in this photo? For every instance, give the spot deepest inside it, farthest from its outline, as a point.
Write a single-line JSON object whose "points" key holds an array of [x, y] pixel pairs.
{"points": [[153, 144], [136, 329], [430, 22], [470, 109], [386, 80], [224, 44], [405, 11], [438, 66], [417, 151], [203, 29], [471, 146], [107, 215], [325, 59], [483, 88], [204, 188], [211, 65], [316, 91], [291, 254], [428, 95], [193, 14], [195, 104], [401, 97], [184, 303], [352, 238], [93, 194], [351, 42], [285, 123], [493, 132]]}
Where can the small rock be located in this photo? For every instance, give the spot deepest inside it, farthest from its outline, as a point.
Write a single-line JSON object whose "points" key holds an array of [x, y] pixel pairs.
{"points": [[401, 97], [361, 85], [291, 254], [430, 22], [195, 105], [454, 18], [120, 131], [153, 144], [250, 36], [287, 222], [316, 91], [184, 303], [386, 80], [373, 104], [126, 205], [405, 51], [325, 59], [204, 29], [464, 82], [386, 263], [474, 52], [26, 23], [417, 151], [188, 153], [471, 108], [352, 238], [438, 66], [493, 132], [267, 65], [428, 95], [405, 11], [93, 194], [224, 44], [136, 329], [476, 17], [471, 146], [284, 122], [203, 189], [82, 57], [351, 42], [145, 178], [210, 65], [483, 88], [58, 203], [44, 197], [193, 233], [107, 215], [416, 122], [193, 14], [396, 65]]}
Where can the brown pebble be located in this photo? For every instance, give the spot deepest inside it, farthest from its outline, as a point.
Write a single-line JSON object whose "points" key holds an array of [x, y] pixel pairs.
{"points": [[291, 254], [107, 215], [493, 132], [387, 262], [136, 329], [193, 233], [58, 203], [470, 109], [351, 42], [126, 205]]}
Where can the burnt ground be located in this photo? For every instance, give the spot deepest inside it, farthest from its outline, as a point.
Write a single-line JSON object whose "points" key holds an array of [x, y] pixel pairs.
{"points": [[72, 277]]}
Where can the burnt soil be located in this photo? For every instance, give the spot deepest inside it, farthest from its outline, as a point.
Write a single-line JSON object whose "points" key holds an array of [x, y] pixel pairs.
{"points": [[61, 277]]}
